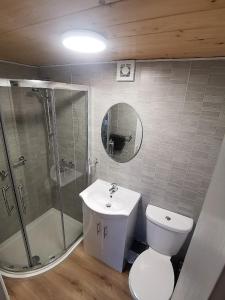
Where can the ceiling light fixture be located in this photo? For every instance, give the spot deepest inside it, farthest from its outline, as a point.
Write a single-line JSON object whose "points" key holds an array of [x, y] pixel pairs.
{"points": [[84, 41]]}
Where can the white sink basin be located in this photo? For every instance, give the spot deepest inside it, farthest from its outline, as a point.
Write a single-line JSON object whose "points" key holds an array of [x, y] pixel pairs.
{"points": [[97, 198]]}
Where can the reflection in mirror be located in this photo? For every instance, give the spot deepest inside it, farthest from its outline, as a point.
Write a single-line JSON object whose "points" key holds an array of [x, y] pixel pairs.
{"points": [[121, 132]]}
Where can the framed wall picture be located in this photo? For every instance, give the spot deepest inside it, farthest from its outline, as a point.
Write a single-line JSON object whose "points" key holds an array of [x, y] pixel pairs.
{"points": [[125, 70]]}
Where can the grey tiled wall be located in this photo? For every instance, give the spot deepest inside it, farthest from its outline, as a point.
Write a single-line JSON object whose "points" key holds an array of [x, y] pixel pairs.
{"points": [[71, 120], [182, 107], [13, 71]]}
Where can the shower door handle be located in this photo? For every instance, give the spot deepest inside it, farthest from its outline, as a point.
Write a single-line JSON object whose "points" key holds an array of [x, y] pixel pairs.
{"points": [[20, 190], [9, 208]]}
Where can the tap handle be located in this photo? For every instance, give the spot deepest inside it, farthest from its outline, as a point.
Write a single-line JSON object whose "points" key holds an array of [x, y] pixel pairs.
{"points": [[114, 184]]}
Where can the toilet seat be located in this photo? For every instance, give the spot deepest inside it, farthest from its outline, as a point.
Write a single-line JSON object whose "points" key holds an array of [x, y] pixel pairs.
{"points": [[151, 276]]}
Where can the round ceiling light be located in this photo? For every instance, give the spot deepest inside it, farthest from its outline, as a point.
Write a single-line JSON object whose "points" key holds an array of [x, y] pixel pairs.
{"points": [[84, 41]]}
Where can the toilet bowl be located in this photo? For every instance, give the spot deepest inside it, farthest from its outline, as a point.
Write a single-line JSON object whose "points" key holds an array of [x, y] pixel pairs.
{"points": [[152, 275]]}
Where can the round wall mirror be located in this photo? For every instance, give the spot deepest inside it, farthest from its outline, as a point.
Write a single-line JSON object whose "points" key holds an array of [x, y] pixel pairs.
{"points": [[121, 132]]}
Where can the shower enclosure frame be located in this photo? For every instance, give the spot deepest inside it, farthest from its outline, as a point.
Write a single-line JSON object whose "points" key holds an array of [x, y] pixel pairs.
{"points": [[51, 86]]}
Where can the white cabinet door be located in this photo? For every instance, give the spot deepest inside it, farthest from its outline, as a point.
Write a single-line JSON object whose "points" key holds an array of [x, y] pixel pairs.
{"points": [[104, 238], [113, 242], [92, 233]]}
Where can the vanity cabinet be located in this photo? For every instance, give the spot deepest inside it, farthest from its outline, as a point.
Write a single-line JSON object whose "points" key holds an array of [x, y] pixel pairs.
{"points": [[109, 222], [108, 238]]}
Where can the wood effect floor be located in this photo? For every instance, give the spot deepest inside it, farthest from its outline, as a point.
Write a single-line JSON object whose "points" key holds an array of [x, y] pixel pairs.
{"points": [[78, 277]]}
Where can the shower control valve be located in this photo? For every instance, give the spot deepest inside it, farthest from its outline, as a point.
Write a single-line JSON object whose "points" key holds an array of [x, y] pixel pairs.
{"points": [[21, 161], [3, 174]]}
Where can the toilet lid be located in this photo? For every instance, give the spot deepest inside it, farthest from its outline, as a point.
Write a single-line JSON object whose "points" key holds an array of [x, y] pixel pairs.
{"points": [[152, 276]]}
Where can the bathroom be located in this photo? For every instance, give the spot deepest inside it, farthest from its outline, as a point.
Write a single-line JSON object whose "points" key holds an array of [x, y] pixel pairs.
{"points": [[117, 138]]}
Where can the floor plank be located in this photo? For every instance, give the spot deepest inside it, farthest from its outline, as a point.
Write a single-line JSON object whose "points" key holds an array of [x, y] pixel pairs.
{"points": [[78, 277]]}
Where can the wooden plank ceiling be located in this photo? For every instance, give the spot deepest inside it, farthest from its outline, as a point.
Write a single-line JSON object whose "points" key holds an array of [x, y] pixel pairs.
{"points": [[30, 30]]}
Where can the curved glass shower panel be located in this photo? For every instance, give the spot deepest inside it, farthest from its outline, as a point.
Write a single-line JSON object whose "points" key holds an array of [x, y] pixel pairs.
{"points": [[11, 233], [43, 168], [72, 138], [31, 157]]}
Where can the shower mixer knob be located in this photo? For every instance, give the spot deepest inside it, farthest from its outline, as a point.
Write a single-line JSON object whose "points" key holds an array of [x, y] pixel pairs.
{"points": [[3, 174], [22, 159]]}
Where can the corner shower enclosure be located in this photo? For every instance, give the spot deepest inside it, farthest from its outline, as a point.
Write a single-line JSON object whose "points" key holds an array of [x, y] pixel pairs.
{"points": [[43, 168]]}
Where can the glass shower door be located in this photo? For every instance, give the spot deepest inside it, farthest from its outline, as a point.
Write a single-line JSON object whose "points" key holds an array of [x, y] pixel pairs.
{"points": [[12, 235], [32, 156], [71, 112]]}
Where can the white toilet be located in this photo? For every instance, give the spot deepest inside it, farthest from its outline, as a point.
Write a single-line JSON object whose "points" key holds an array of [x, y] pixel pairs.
{"points": [[152, 275]]}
